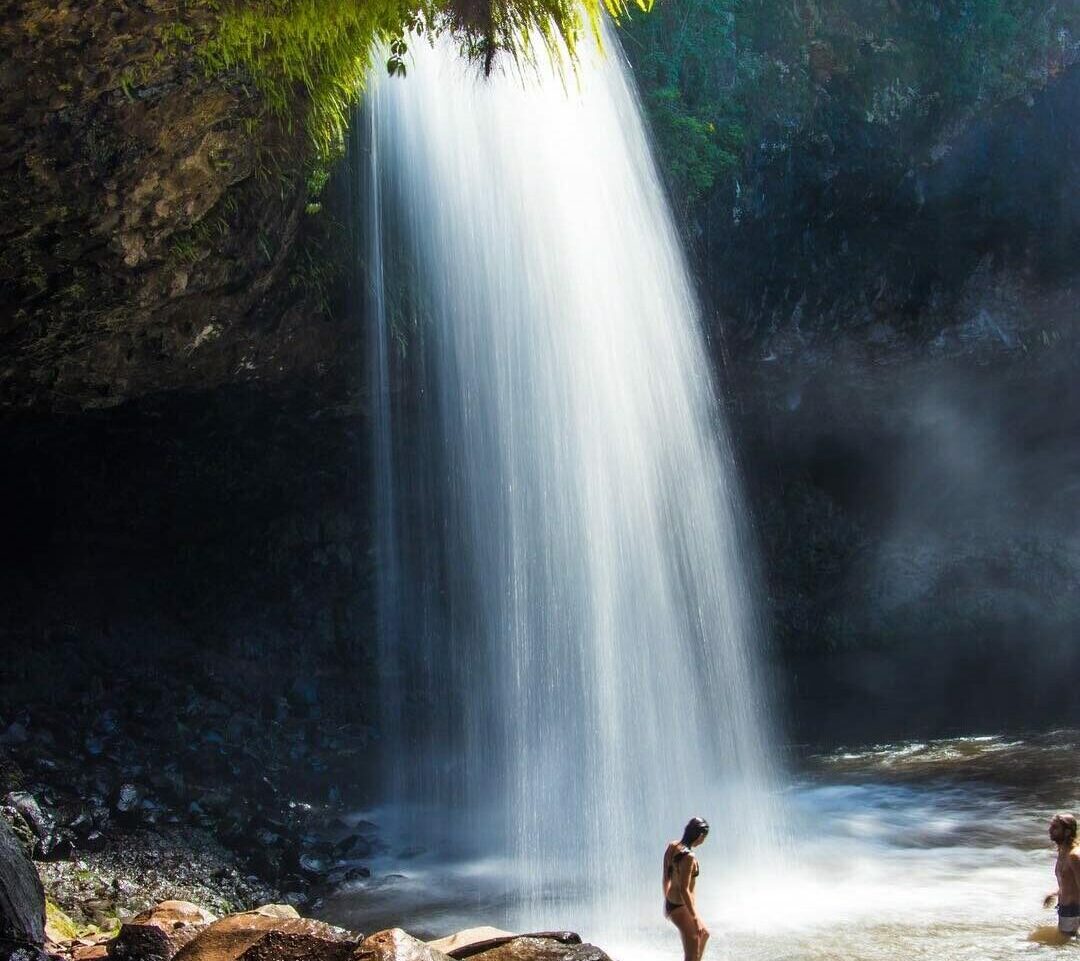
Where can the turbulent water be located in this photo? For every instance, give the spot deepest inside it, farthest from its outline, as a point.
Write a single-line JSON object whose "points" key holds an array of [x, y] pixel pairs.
{"points": [[933, 850], [568, 634]]}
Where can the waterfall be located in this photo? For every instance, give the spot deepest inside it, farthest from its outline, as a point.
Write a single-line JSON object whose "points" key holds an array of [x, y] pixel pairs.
{"points": [[569, 641]]}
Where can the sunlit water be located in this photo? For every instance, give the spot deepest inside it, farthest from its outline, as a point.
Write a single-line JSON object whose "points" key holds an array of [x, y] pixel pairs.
{"points": [[569, 637], [930, 850]]}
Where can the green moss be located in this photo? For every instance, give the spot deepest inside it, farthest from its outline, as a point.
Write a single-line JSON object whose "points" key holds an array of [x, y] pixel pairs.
{"points": [[60, 924], [320, 51], [186, 249], [127, 83], [176, 34]]}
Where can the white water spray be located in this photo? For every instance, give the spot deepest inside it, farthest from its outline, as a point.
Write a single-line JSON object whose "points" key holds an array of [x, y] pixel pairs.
{"points": [[568, 633]]}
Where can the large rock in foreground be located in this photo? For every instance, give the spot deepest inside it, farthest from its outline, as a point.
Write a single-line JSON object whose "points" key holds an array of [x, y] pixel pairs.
{"points": [[544, 948], [158, 934], [462, 943], [22, 898], [271, 933], [395, 945], [474, 941]]}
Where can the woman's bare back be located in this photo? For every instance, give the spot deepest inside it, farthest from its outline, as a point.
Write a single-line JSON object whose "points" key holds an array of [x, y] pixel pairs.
{"points": [[679, 869]]}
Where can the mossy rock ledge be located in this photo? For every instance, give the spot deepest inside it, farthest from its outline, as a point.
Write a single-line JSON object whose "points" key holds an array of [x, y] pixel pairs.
{"points": [[151, 213]]}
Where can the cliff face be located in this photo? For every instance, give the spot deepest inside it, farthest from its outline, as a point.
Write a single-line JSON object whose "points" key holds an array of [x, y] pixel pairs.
{"points": [[149, 214], [902, 364], [183, 490]]}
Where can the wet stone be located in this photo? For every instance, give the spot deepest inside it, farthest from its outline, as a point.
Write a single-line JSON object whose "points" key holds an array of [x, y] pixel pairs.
{"points": [[159, 933]]}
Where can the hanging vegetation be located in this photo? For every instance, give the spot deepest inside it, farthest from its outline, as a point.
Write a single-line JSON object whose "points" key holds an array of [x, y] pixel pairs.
{"points": [[321, 50]]}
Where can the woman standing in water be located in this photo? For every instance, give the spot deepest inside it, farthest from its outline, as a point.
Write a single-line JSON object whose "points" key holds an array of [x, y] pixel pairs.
{"points": [[680, 879]]}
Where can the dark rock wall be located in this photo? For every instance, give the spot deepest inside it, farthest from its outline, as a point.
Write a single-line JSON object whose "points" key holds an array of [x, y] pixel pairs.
{"points": [[149, 212], [848, 235], [22, 900], [183, 493], [901, 360]]}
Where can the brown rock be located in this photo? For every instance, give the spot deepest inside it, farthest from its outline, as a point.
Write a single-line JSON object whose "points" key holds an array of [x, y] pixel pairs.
{"points": [[531, 948], [467, 939], [157, 934], [271, 933], [473, 941], [277, 911], [90, 952], [285, 946], [395, 945]]}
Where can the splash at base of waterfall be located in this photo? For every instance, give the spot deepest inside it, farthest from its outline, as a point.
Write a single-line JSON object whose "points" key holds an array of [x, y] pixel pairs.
{"points": [[934, 850]]}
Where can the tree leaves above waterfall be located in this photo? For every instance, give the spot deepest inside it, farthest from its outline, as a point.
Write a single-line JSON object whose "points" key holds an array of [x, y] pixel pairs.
{"points": [[321, 51]]}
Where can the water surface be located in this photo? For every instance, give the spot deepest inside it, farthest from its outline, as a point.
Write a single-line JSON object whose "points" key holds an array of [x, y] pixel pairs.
{"points": [[931, 849]]}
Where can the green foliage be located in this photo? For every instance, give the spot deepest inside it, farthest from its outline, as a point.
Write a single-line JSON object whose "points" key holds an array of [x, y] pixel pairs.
{"points": [[59, 922], [185, 249], [693, 156], [319, 52], [317, 179], [314, 273], [319, 49], [725, 81], [127, 83], [176, 34]]}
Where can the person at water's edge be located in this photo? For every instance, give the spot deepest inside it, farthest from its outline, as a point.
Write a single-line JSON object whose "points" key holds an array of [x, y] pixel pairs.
{"points": [[680, 879], [1067, 869]]}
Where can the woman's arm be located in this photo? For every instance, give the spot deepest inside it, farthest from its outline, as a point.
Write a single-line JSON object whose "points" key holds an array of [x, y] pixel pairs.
{"points": [[690, 896]]}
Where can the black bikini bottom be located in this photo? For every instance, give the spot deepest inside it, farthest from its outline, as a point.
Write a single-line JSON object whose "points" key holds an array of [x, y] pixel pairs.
{"points": [[670, 906]]}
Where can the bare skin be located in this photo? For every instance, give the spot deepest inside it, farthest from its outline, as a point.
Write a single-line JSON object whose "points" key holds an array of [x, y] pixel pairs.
{"points": [[679, 885], [1067, 867]]}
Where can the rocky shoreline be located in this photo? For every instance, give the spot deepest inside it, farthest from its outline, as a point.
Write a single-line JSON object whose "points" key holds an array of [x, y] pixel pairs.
{"points": [[87, 911], [179, 795]]}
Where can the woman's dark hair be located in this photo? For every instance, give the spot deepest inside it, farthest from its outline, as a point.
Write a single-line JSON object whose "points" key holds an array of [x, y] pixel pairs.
{"points": [[1068, 822], [695, 828]]}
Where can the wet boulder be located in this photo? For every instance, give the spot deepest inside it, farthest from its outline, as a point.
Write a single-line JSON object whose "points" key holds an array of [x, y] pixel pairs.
{"points": [[395, 945], [57, 845], [355, 846], [31, 812], [461, 943], [22, 898], [15, 733], [274, 932], [312, 867], [127, 803], [545, 947], [159, 933], [483, 941]]}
